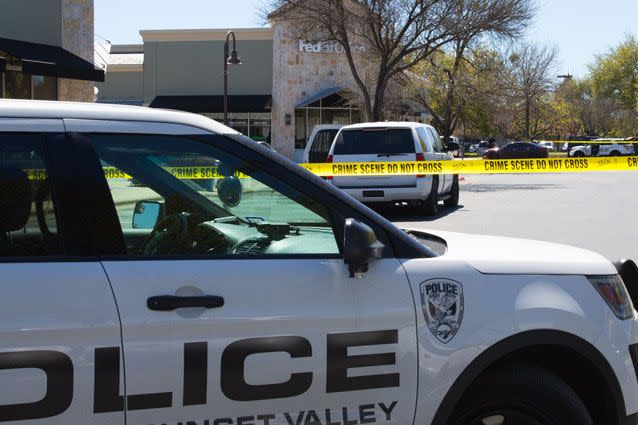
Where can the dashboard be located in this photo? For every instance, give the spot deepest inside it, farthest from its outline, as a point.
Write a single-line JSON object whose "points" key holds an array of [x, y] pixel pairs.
{"points": [[263, 238]]}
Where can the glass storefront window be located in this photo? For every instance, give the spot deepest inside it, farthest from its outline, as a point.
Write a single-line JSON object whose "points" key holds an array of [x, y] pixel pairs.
{"points": [[239, 121], [335, 116], [45, 88], [17, 85], [255, 125], [333, 109], [259, 126]]}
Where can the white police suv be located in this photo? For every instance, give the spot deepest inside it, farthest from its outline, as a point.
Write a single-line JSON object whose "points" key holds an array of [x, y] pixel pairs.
{"points": [[136, 292]]}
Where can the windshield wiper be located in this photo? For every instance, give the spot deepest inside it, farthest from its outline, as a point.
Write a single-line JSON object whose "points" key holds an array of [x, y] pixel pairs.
{"points": [[387, 155]]}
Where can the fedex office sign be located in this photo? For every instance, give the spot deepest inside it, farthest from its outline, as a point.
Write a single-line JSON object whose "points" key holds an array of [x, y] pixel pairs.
{"points": [[326, 47]]}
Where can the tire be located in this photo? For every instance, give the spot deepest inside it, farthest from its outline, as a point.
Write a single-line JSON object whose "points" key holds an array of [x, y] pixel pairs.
{"points": [[521, 394], [453, 200], [579, 154], [430, 206], [614, 153]]}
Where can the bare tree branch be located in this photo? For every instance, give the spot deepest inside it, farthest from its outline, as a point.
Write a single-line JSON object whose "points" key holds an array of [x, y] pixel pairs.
{"points": [[399, 34]]}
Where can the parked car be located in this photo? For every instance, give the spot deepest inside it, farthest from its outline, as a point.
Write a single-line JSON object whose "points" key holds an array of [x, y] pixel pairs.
{"points": [[516, 150], [396, 141], [300, 305], [605, 147], [484, 145], [548, 145], [319, 143]]}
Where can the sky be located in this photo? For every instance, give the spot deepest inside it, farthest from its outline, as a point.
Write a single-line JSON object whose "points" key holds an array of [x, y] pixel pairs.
{"points": [[580, 29]]}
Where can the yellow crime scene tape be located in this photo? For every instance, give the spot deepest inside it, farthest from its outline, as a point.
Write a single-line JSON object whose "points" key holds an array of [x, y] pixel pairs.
{"points": [[408, 168], [185, 173], [496, 166], [593, 142]]}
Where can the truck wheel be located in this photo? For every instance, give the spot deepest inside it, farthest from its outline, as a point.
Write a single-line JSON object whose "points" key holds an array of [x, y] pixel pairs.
{"points": [[521, 395], [453, 200], [430, 206]]}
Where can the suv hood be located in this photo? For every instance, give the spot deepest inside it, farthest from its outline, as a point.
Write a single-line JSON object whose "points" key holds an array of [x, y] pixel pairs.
{"points": [[502, 255]]}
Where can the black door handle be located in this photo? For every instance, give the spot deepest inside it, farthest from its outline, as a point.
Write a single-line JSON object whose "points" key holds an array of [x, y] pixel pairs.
{"points": [[172, 302]]}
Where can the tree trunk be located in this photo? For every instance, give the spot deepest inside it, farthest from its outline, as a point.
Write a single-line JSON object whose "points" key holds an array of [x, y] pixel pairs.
{"points": [[528, 108], [379, 100]]}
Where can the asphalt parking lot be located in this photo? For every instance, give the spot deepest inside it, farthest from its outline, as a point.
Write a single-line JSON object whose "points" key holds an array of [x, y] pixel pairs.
{"points": [[595, 211]]}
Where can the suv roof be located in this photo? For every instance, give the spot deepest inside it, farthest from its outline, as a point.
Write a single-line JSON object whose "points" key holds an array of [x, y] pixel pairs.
{"points": [[388, 124], [327, 127], [11, 108]]}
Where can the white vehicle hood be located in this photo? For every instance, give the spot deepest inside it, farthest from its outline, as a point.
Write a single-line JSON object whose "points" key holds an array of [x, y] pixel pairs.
{"points": [[502, 255]]}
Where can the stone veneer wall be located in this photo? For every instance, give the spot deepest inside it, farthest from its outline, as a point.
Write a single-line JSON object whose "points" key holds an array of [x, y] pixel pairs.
{"points": [[296, 76], [77, 37]]}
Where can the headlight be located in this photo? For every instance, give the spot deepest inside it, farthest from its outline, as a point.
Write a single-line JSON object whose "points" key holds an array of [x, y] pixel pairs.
{"points": [[615, 294]]}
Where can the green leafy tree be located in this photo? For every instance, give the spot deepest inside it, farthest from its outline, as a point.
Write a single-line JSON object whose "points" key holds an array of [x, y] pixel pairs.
{"points": [[614, 75], [462, 88]]}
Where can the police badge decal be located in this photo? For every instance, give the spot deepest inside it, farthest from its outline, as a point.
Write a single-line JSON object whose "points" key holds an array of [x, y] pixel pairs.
{"points": [[442, 302]]}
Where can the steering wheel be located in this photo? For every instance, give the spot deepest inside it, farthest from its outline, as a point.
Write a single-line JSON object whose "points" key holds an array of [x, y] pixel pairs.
{"points": [[169, 236]]}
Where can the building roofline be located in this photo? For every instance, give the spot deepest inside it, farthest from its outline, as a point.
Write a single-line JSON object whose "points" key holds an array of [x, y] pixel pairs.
{"points": [[206, 34], [127, 48], [125, 67]]}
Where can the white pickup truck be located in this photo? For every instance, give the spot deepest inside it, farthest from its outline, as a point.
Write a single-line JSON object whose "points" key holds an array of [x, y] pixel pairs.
{"points": [[275, 299]]}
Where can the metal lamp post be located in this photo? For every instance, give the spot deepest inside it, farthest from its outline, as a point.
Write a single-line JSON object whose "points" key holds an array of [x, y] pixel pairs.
{"points": [[233, 59]]}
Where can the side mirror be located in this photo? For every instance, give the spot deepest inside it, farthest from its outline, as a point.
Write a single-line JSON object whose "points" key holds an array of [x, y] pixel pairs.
{"points": [[147, 214], [452, 146], [360, 247]]}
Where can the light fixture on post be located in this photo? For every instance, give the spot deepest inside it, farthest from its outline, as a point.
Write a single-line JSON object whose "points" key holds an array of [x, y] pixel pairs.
{"points": [[232, 59]]}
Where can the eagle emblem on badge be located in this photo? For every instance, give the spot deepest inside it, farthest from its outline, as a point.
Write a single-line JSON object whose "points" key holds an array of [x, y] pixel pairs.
{"points": [[442, 302]]}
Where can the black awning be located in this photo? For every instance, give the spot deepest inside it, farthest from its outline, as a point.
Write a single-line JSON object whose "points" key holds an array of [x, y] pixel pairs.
{"points": [[214, 103], [54, 61]]}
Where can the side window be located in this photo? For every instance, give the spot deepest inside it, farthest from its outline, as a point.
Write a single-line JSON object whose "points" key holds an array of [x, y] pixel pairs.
{"points": [[438, 144], [321, 145], [29, 226], [180, 196], [424, 141]]}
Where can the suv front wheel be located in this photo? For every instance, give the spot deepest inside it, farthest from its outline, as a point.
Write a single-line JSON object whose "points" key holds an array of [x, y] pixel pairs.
{"points": [[521, 394]]}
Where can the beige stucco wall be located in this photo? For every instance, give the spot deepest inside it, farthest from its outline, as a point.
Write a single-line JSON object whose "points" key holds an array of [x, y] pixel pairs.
{"points": [[196, 67], [77, 37], [299, 75], [36, 21]]}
